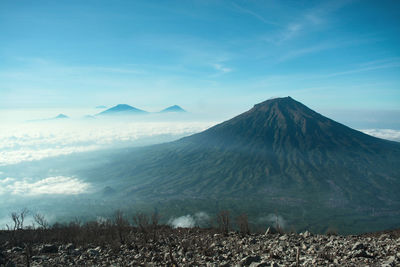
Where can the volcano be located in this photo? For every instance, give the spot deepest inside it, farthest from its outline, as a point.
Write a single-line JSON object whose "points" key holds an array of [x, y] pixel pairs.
{"points": [[174, 108], [121, 109], [279, 154]]}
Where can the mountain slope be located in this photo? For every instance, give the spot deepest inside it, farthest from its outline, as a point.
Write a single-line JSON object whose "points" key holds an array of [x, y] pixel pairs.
{"points": [[278, 153], [122, 109]]}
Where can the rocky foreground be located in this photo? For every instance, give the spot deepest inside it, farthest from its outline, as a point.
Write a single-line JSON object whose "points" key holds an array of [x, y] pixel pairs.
{"points": [[196, 247]]}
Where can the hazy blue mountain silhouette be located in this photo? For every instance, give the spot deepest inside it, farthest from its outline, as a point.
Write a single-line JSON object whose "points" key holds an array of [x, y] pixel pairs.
{"points": [[174, 108], [61, 116], [122, 109]]}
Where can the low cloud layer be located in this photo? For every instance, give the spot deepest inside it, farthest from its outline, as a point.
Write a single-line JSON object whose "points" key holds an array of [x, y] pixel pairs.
{"points": [[58, 185], [388, 134], [35, 141], [189, 221]]}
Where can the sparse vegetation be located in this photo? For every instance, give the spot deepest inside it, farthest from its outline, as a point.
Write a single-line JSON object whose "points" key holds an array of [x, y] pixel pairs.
{"points": [[144, 240], [243, 224], [224, 221]]}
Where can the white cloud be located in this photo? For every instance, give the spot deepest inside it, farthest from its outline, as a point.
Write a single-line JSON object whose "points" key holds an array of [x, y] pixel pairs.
{"points": [[222, 68], [59, 185], [25, 154], [388, 134], [7, 180], [311, 20], [35, 141], [188, 221]]}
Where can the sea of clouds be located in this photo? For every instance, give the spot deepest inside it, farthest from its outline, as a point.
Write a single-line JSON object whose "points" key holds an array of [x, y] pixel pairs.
{"points": [[30, 141], [388, 134], [58, 185], [25, 139]]}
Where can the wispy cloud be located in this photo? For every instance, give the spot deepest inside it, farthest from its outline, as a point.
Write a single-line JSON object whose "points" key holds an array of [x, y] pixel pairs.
{"points": [[315, 48], [304, 51], [291, 31], [221, 68], [59, 185], [253, 14], [364, 67], [307, 21], [287, 79]]}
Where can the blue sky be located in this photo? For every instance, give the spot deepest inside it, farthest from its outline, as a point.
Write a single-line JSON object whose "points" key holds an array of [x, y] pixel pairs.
{"points": [[203, 54]]}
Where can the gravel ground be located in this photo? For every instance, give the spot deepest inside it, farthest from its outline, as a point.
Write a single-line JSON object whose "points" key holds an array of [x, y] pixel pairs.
{"points": [[196, 247]]}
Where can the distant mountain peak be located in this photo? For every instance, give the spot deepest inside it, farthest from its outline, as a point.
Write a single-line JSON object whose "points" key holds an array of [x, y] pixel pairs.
{"points": [[174, 108], [122, 109], [61, 116]]}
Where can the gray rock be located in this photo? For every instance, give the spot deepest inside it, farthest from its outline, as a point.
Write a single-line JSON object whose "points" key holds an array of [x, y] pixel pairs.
{"points": [[358, 246], [76, 252], [250, 259], [361, 253], [306, 234], [40, 257], [70, 246], [253, 241], [17, 249], [283, 238], [391, 261], [93, 252], [256, 250], [259, 264], [383, 237], [49, 248]]}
